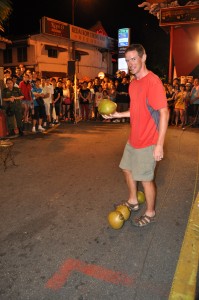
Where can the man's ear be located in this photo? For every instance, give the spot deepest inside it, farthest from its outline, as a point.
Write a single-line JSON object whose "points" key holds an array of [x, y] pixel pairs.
{"points": [[144, 56]]}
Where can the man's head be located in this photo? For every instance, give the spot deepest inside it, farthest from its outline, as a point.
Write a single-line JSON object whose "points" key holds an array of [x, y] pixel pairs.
{"points": [[135, 57], [136, 47], [37, 82], [9, 83]]}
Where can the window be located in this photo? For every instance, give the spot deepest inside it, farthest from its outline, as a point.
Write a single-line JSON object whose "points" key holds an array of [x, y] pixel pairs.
{"points": [[22, 54], [7, 56], [52, 53]]}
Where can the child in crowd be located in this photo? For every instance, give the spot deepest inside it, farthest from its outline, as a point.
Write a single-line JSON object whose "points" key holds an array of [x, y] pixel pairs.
{"points": [[98, 98]]}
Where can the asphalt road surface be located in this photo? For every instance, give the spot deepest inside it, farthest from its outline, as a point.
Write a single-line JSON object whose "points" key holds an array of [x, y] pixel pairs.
{"points": [[55, 240]]}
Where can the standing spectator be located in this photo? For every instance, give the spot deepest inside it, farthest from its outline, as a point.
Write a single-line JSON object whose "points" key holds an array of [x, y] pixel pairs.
{"points": [[39, 107], [106, 83], [57, 97], [33, 78], [118, 75], [91, 104], [23, 69], [194, 101], [84, 100], [68, 101], [48, 98], [170, 101], [176, 83], [105, 94], [180, 106], [7, 74], [122, 98], [98, 98], [14, 78], [25, 88], [113, 92], [96, 84], [188, 87], [19, 75], [12, 97]]}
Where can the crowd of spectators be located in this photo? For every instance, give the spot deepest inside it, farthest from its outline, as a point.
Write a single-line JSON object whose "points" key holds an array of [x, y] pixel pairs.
{"points": [[41, 102], [29, 98], [183, 102]]}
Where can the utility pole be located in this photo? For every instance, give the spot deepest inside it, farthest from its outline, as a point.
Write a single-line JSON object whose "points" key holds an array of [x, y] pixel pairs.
{"points": [[171, 56], [73, 12]]}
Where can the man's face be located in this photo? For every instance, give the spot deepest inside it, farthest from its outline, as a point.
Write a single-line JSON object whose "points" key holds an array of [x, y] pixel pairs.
{"points": [[10, 84], [26, 78], [47, 81], [43, 81], [37, 83], [134, 61]]}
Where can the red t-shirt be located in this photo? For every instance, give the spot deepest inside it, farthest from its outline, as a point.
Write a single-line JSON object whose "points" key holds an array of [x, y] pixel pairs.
{"points": [[147, 97], [25, 89]]}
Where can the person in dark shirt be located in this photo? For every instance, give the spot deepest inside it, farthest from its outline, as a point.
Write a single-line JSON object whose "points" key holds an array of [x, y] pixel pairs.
{"points": [[84, 100], [12, 97], [122, 98], [57, 97]]}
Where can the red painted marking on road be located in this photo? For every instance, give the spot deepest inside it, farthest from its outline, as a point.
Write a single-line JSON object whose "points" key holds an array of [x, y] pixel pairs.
{"points": [[70, 265]]}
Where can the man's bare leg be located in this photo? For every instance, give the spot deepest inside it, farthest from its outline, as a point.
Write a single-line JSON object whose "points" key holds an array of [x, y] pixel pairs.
{"points": [[132, 187], [150, 195]]}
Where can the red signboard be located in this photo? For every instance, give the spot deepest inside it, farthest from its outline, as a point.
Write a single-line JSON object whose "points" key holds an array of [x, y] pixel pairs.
{"points": [[179, 15], [54, 27]]}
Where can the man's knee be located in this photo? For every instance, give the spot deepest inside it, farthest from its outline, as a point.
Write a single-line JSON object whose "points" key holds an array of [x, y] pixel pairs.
{"points": [[125, 171]]}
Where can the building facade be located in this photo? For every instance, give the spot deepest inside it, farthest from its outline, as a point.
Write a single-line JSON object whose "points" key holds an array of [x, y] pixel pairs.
{"points": [[59, 50]]}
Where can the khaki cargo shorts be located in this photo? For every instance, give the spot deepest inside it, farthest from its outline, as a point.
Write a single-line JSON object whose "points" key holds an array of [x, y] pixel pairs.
{"points": [[140, 162]]}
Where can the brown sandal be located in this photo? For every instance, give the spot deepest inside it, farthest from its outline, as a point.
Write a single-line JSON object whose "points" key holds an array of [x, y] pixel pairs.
{"points": [[132, 207], [143, 221]]}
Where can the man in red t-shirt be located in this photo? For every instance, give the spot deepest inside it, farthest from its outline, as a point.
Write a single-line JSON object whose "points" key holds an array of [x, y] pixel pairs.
{"points": [[25, 88], [149, 121]]}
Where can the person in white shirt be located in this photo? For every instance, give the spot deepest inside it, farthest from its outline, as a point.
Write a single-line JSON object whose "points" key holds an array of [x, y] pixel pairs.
{"points": [[48, 91]]}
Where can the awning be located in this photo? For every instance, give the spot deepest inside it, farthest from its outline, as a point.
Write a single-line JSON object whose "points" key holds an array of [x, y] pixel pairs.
{"points": [[18, 44], [80, 52], [60, 49]]}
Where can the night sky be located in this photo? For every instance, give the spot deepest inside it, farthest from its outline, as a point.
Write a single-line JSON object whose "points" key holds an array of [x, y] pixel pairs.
{"points": [[144, 26]]}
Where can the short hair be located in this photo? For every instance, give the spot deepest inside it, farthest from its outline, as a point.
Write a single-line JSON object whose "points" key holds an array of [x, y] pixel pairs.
{"points": [[136, 47], [9, 79]]}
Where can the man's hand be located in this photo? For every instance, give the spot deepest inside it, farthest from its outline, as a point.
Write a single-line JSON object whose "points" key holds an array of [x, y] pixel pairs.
{"points": [[158, 153], [112, 116], [12, 98]]}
